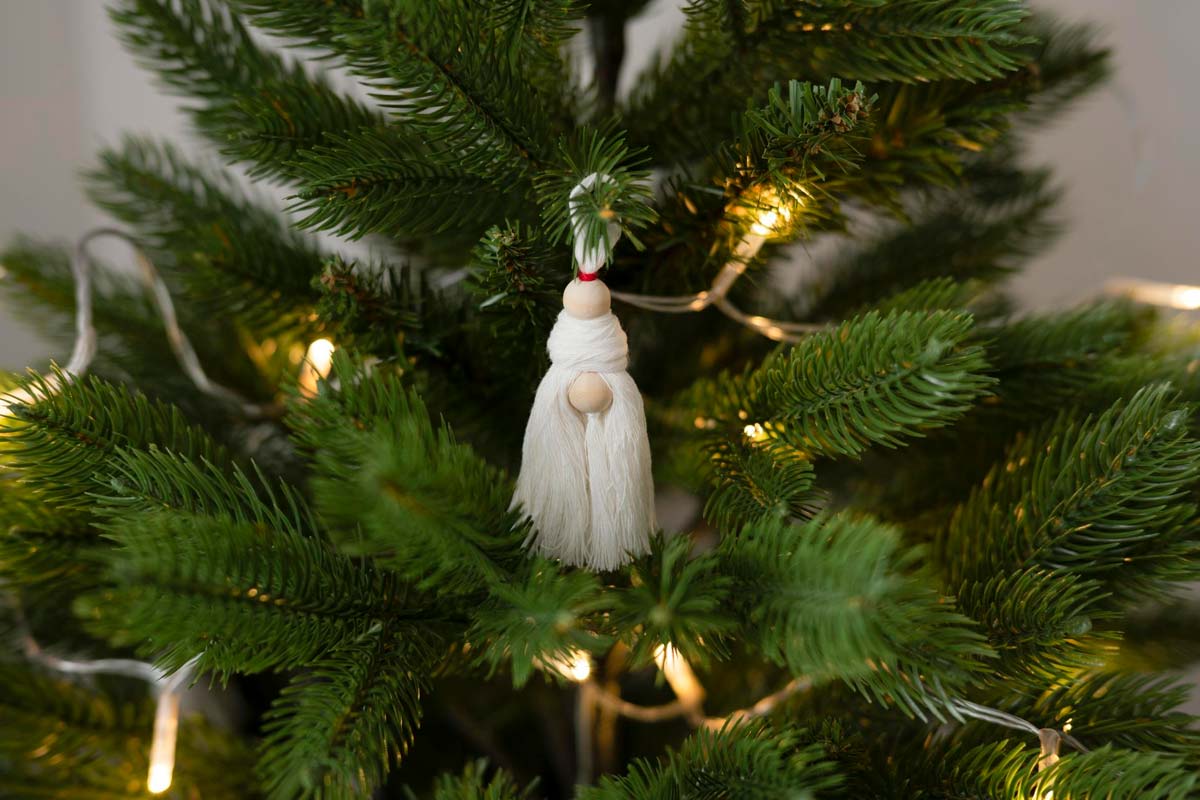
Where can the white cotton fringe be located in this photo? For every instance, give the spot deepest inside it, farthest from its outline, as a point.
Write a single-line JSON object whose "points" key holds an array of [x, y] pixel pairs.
{"points": [[585, 478]]}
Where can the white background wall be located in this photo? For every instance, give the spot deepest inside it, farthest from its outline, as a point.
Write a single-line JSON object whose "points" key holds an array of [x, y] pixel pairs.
{"points": [[1129, 158]]}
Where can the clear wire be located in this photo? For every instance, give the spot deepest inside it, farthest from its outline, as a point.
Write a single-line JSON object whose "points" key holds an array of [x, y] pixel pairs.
{"points": [[85, 332], [717, 296]]}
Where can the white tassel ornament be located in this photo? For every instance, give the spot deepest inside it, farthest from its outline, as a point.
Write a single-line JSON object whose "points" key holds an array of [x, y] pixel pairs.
{"points": [[585, 469]]}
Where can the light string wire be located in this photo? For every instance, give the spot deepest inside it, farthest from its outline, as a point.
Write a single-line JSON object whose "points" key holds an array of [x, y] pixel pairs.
{"points": [[167, 690], [716, 296], [166, 687], [689, 704], [84, 349], [591, 256]]}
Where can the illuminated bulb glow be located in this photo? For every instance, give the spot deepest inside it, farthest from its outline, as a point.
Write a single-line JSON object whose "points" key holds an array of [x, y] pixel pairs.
{"points": [[162, 748], [580, 668], [679, 675], [15, 397], [1186, 297], [765, 223], [575, 666], [317, 362], [1170, 295], [755, 432], [1050, 740]]}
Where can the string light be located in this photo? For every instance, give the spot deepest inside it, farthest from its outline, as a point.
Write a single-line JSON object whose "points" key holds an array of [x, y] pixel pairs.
{"points": [[580, 668], [772, 214], [167, 697], [84, 349], [755, 432], [1170, 295], [14, 398], [679, 675], [162, 747], [1049, 740], [575, 666], [316, 365]]}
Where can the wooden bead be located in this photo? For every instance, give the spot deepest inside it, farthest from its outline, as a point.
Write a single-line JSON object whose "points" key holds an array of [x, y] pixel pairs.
{"points": [[589, 394], [587, 299]]}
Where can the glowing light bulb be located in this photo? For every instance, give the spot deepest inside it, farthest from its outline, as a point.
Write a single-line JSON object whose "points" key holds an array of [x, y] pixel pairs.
{"points": [[1186, 297], [162, 747], [1170, 295], [765, 223], [580, 668], [574, 666], [679, 675], [1050, 740], [755, 432], [317, 362], [12, 398]]}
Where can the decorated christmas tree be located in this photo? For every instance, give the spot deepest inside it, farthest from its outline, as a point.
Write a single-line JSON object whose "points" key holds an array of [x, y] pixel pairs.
{"points": [[780, 498]]}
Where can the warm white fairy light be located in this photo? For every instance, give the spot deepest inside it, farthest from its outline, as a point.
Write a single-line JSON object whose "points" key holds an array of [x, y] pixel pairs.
{"points": [[166, 688], [1050, 740], [162, 746], [767, 221], [771, 215], [755, 432], [679, 675], [1170, 295], [575, 666], [13, 398], [315, 367], [580, 668], [84, 348]]}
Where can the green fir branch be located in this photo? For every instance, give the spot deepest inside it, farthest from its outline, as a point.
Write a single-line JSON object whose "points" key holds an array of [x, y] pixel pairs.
{"points": [[542, 618], [756, 481], [676, 599], [379, 181], [1041, 625], [337, 730], [743, 761], [186, 585], [434, 69], [252, 104], [233, 255], [622, 197], [1105, 498], [67, 437], [836, 598], [477, 782], [874, 380], [1125, 710], [393, 486]]}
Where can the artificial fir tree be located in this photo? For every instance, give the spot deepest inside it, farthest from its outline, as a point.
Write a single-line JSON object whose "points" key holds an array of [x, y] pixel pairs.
{"points": [[940, 540]]}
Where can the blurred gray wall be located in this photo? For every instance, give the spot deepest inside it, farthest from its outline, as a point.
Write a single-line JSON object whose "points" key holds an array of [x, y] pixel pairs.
{"points": [[1129, 158]]}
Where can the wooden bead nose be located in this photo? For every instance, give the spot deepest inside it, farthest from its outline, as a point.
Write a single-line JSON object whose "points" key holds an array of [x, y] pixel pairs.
{"points": [[589, 394], [587, 299]]}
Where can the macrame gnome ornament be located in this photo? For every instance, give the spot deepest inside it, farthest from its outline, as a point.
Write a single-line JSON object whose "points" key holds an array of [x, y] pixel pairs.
{"points": [[585, 467]]}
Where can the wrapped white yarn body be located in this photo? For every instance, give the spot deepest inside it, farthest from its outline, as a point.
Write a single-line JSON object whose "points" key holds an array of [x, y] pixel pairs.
{"points": [[585, 478]]}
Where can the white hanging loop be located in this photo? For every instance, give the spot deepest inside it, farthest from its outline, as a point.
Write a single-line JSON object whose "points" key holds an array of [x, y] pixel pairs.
{"points": [[590, 259]]}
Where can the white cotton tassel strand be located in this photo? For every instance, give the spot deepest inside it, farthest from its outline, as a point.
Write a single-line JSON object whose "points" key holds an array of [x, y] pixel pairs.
{"points": [[585, 477]]}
